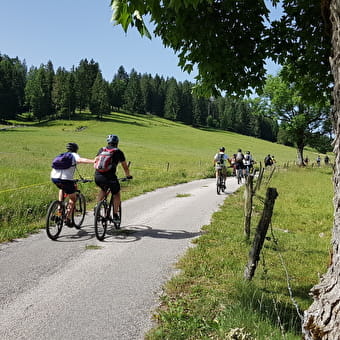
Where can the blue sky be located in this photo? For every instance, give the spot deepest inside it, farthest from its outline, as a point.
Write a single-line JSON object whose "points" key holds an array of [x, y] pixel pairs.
{"points": [[66, 31]]}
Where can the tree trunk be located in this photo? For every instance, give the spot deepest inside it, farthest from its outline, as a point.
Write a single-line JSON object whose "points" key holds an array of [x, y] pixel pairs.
{"points": [[322, 319]]}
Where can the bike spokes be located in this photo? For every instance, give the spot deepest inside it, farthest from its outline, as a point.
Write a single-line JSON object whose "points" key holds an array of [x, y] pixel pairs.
{"points": [[79, 211], [54, 220], [101, 220]]}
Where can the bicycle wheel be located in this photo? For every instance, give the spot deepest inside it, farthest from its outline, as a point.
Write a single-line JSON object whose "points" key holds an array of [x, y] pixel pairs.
{"points": [[100, 220], [118, 222], [218, 185], [54, 219], [223, 187], [79, 211]]}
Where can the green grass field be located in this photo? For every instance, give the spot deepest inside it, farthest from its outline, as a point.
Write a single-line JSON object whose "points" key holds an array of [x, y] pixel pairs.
{"points": [[161, 153], [209, 298]]}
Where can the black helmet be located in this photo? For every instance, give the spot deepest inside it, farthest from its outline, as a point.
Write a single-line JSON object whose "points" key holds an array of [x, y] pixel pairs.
{"points": [[73, 147], [112, 139], [222, 149]]}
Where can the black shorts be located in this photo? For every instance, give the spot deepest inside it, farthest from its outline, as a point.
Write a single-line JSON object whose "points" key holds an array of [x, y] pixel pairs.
{"points": [[239, 165], [106, 183], [66, 185]]}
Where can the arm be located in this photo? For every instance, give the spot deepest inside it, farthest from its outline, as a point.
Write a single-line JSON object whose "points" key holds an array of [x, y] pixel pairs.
{"points": [[85, 160], [126, 169]]}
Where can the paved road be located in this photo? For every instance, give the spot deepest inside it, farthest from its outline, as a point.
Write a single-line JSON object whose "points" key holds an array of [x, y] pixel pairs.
{"points": [[64, 290]]}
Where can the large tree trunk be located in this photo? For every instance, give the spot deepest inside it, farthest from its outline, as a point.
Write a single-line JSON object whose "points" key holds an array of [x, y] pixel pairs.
{"points": [[322, 319]]}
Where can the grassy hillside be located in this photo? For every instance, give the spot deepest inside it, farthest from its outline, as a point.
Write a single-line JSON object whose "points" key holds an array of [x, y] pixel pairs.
{"points": [[161, 152]]}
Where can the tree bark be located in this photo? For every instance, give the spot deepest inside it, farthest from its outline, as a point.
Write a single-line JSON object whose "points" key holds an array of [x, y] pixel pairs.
{"points": [[322, 319]]}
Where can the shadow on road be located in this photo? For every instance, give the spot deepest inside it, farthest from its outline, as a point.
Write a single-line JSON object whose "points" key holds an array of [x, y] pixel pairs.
{"points": [[133, 233]]}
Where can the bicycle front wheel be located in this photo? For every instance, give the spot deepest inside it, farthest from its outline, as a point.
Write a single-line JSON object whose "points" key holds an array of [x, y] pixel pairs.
{"points": [[54, 219], [79, 211], [101, 220]]}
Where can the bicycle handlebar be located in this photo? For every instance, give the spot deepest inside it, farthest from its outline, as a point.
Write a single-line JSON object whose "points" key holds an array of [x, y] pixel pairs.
{"points": [[124, 179], [83, 180]]}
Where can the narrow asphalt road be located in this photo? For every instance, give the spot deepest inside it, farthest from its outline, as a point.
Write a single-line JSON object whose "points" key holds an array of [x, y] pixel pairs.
{"points": [[66, 290]]}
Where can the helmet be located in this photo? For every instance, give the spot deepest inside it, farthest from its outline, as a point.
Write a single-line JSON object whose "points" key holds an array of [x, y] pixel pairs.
{"points": [[248, 152], [222, 149], [112, 139], [73, 147]]}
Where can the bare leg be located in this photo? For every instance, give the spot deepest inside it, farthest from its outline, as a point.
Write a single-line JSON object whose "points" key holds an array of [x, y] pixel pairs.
{"points": [[70, 206], [116, 202], [101, 195]]}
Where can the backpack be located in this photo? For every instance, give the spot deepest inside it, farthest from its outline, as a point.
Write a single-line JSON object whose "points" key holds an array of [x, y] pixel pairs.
{"points": [[268, 161], [239, 157], [103, 162], [63, 161], [221, 158]]}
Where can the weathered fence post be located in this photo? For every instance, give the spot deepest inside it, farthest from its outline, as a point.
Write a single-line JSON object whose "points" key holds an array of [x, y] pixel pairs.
{"points": [[259, 178], [261, 231], [248, 204]]}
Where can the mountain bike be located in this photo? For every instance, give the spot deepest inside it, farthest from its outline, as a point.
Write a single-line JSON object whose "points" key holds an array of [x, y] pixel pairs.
{"points": [[56, 213], [103, 214], [220, 181]]}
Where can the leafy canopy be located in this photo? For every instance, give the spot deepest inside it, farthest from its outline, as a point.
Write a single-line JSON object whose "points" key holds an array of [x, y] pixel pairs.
{"points": [[228, 41]]}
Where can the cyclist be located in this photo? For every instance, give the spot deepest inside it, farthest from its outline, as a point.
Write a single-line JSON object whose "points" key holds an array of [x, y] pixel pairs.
{"points": [[268, 161], [233, 163], [106, 180], [239, 162], [63, 179], [220, 160], [248, 162]]}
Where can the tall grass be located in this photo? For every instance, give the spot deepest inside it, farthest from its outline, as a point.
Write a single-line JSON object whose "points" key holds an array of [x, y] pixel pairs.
{"points": [[162, 153], [210, 296]]}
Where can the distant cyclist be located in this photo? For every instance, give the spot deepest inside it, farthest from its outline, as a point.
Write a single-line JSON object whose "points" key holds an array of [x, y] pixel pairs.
{"points": [[108, 179], [239, 160], [220, 162], [248, 162], [63, 179], [268, 161]]}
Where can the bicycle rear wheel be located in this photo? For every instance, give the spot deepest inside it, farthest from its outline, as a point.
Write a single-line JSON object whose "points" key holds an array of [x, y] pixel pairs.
{"points": [[79, 211], [54, 219], [218, 185], [101, 220]]}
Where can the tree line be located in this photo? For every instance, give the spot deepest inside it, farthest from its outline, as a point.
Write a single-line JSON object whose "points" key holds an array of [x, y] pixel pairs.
{"points": [[277, 115], [48, 94]]}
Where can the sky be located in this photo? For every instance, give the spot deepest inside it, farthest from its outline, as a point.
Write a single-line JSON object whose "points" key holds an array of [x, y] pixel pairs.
{"points": [[67, 31]]}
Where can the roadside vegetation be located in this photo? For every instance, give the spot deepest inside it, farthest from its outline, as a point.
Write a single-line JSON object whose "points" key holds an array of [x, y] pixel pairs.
{"points": [[210, 299]]}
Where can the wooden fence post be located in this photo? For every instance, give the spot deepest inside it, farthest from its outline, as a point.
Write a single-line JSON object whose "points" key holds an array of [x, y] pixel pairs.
{"points": [[261, 231], [248, 204]]}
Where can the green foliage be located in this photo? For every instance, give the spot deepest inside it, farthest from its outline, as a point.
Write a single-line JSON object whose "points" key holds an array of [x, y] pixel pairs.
{"points": [[210, 297], [301, 121], [231, 59], [12, 84]]}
